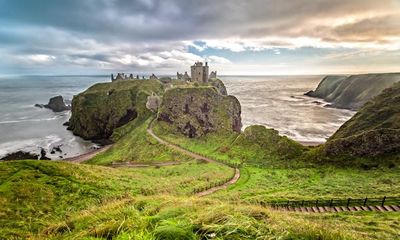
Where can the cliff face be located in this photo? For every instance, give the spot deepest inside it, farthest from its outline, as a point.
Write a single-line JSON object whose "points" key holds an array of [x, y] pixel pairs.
{"points": [[219, 85], [196, 111], [106, 106], [373, 131], [354, 91], [327, 85]]}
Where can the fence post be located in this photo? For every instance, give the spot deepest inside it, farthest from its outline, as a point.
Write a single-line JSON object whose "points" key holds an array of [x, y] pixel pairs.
{"points": [[302, 203], [331, 203], [288, 204], [383, 200], [316, 203], [365, 201], [348, 202]]}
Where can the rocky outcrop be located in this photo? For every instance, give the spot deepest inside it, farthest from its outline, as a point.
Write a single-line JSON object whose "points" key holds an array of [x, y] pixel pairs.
{"points": [[106, 106], [354, 91], [196, 111], [373, 131], [22, 155], [56, 104], [327, 85], [219, 85]]}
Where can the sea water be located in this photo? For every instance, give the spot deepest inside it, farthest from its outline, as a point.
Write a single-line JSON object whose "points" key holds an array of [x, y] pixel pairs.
{"points": [[29, 128], [279, 102], [273, 101]]}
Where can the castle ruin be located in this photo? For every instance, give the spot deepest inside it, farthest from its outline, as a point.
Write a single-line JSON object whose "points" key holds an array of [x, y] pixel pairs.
{"points": [[153, 77], [184, 77], [123, 76], [213, 74], [199, 72]]}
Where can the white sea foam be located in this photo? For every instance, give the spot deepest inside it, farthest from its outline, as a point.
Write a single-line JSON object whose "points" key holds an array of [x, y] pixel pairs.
{"points": [[279, 103], [21, 120]]}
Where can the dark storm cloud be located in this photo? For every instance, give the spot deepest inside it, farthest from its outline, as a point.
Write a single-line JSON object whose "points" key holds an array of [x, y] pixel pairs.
{"points": [[142, 32], [178, 20]]}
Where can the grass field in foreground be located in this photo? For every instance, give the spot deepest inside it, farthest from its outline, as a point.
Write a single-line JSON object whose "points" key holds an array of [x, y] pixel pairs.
{"points": [[267, 177], [311, 183], [34, 193], [181, 218]]}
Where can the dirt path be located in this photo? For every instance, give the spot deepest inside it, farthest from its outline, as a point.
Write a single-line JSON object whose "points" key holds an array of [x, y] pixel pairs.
{"points": [[143, 165], [223, 186], [233, 180], [87, 156]]}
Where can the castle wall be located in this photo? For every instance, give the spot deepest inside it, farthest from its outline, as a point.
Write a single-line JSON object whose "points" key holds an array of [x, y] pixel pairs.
{"points": [[199, 73]]}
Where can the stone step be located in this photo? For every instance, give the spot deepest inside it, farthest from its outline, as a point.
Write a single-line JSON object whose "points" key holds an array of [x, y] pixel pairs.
{"points": [[352, 209], [395, 208], [315, 209], [365, 208], [373, 208], [387, 208], [309, 209], [338, 209], [380, 208], [358, 208], [328, 209], [345, 209], [321, 209], [303, 209]]}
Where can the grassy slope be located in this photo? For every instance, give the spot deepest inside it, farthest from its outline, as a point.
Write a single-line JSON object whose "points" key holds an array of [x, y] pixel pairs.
{"points": [[167, 217], [35, 193], [383, 111], [311, 183], [135, 145], [275, 168]]}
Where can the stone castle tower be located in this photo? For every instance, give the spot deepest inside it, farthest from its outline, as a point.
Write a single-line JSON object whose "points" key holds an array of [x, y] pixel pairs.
{"points": [[199, 72]]}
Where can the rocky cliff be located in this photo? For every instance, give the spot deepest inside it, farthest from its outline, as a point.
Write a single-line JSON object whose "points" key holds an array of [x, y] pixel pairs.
{"points": [[374, 130], [219, 85], [196, 111], [106, 106], [354, 91], [327, 85]]}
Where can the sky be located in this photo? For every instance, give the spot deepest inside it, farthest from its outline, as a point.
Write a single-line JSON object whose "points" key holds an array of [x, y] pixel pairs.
{"points": [[236, 37]]}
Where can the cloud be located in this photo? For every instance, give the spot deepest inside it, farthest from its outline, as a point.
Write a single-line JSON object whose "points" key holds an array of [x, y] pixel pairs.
{"points": [[157, 34], [218, 60]]}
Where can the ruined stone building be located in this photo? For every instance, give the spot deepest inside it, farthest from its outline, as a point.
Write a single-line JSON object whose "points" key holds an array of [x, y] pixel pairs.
{"points": [[199, 72], [213, 74], [184, 77], [153, 77], [121, 76]]}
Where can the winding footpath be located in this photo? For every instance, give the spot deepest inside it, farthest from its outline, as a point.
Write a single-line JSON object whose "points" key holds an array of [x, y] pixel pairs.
{"points": [[86, 156], [209, 191]]}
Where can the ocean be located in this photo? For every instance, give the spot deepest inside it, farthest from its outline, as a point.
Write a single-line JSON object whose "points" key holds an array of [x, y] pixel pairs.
{"points": [[273, 101], [279, 102]]}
